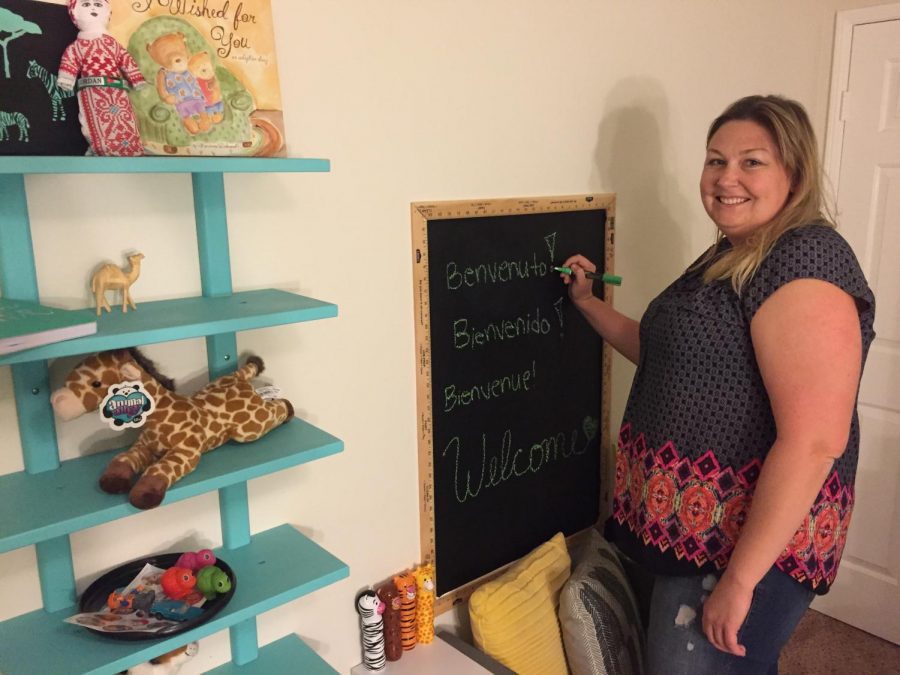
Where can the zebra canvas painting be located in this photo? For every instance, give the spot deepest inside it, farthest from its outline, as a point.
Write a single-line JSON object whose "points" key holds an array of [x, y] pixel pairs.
{"points": [[37, 117], [54, 91], [17, 119]]}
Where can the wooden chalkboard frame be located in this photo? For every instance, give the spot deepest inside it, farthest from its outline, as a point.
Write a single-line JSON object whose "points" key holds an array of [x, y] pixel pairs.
{"points": [[421, 214]]}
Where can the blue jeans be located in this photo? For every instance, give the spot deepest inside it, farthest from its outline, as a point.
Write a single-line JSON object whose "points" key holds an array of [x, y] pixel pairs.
{"points": [[676, 644]]}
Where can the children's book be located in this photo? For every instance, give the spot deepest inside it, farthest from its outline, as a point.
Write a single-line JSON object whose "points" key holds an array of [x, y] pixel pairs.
{"points": [[213, 75], [24, 324], [36, 116]]}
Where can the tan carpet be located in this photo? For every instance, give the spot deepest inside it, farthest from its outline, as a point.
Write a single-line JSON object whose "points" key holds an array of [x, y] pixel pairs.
{"points": [[824, 646]]}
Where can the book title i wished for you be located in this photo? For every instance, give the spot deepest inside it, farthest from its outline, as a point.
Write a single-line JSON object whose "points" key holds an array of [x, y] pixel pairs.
{"points": [[225, 33]]}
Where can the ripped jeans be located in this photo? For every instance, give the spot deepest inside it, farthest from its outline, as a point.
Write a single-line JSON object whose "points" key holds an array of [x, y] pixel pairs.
{"points": [[676, 644]]}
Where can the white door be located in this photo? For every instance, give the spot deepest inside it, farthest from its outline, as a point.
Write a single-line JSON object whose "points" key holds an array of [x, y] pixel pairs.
{"points": [[867, 591]]}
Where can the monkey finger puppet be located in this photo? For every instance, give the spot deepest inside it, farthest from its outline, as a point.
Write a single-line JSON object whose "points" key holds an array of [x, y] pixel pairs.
{"points": [[370, 608], [101, 69], [390, 596], [406, 585], [424, 576]]}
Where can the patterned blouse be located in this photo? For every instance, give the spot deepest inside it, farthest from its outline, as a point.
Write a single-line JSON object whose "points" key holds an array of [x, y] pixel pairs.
{"points": [[698, 423]]}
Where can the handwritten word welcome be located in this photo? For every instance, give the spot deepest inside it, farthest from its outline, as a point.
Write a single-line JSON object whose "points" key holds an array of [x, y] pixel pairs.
{"points": [[469, 479]]}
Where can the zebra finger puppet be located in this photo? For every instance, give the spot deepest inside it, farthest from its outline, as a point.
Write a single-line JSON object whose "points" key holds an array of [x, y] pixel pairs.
{"points": [[370, 609]]}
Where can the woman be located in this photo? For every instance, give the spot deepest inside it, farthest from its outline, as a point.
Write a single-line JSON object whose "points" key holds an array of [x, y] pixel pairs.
{"points": [[738, 450]]}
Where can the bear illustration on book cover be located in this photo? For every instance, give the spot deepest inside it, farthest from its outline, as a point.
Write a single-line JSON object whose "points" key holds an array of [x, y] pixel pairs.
{"points": [[213, 74], [37, 117]]}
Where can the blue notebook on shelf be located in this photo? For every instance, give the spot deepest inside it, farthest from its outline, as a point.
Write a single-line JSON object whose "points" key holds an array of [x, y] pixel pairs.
{"points": [[24, 324]]}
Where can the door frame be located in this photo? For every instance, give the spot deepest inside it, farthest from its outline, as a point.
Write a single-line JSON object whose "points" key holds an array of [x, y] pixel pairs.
{"points": [[845, 22]]}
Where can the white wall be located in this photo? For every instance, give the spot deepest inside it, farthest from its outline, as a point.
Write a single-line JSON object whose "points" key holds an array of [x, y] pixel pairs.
{"points": [[411, 100]]}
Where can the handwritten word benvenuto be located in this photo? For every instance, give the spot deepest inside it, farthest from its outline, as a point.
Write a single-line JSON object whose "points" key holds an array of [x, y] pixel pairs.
{"points": [[496, 272], [474, 471]]}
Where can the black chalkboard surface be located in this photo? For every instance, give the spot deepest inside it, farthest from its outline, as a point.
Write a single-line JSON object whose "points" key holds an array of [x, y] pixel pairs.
{"points": [[511, 380]]}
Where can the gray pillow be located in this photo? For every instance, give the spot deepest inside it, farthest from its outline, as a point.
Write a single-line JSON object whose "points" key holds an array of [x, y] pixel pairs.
{"points": [[599, 616]]}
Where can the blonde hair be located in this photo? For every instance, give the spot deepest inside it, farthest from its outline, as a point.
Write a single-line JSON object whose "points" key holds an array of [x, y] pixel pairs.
{"points": [[788, 124]]}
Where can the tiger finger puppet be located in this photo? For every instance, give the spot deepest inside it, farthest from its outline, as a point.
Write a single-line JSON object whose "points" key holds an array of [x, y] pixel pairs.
{"points": [[390, 596], [176, 429], [406, 585], [369, 608], [424, 576]]}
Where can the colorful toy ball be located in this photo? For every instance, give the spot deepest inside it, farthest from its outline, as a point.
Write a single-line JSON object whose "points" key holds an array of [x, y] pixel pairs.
{"points": [[196, 560], [177, 582], [211, 581]]}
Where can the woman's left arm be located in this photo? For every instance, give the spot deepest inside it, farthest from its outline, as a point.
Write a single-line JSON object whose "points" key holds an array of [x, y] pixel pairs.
{"points": [[808, 345]]}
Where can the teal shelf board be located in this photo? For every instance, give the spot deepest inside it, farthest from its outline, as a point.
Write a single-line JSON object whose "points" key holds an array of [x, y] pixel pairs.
{"points": [[41, 506], [166, 320], [155, 164], [287, 655], [277, 566]]}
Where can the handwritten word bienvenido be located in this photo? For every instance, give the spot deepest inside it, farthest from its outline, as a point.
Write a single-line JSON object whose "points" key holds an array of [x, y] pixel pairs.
{"points": [[465, 336], [496, 272], [507, 464], [499, 386]]}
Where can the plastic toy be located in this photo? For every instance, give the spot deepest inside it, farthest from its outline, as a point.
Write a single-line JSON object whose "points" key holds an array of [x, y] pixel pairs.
{"points": [[370, 608], [196, 560], [167, 664], [100, 67], [179, 430], [406, 584], [390, 596], [137, 600], [425, 603], [178, 582], [174, 610], [110, 277], [211, 581]]}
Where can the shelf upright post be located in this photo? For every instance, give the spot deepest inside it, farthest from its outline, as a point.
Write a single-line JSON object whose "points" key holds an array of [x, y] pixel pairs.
{"points": [[31, 384], [221, 352]]}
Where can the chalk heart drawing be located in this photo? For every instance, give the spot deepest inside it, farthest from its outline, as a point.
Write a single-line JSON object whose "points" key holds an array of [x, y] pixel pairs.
{"points": [[590, 426]]}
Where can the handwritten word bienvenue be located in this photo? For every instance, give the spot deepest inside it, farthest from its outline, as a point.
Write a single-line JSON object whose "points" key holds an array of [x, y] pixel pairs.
{"points": [[466, 336], [507, 464], [495, 388], [496, 272]]}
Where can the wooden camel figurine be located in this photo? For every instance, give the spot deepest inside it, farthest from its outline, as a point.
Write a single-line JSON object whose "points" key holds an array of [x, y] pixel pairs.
{"points": [[179, 429], [111, 277]]}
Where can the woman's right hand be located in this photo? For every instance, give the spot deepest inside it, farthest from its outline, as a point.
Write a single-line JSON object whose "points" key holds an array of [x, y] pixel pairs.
{"points": [[580, 287]]}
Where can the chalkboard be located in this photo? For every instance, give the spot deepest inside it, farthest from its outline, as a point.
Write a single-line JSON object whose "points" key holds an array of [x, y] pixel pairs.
{"points": [[512, 383]]}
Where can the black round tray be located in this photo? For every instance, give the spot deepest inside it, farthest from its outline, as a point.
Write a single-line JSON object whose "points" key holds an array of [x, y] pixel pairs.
{"points": [[94, 597]]}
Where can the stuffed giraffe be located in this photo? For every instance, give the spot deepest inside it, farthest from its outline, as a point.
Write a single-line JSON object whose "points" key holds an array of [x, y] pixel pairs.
{"points": [[424, 575], [179, 429], [406, 584]]}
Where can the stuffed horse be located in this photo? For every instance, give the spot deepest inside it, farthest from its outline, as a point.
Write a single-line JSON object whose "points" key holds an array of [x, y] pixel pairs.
{"points": [[177, 429], [390, 596], [370, 608]]}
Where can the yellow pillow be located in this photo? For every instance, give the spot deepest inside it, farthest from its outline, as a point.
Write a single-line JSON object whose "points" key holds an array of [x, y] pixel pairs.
{"points": [[514, 617]]}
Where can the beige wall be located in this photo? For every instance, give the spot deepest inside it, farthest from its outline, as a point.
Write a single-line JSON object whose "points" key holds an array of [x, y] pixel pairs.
{"points": [[411, 100]]}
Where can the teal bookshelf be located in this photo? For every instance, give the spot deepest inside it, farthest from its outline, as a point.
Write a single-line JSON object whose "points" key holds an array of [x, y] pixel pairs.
{"points": [[50, 500]]}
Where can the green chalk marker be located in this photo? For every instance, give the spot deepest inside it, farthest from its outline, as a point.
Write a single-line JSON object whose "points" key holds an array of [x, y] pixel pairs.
{"points": [[605, 278]]}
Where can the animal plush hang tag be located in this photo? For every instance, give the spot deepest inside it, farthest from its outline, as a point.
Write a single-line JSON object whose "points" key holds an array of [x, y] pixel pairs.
{"points": [[126, 406]]}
